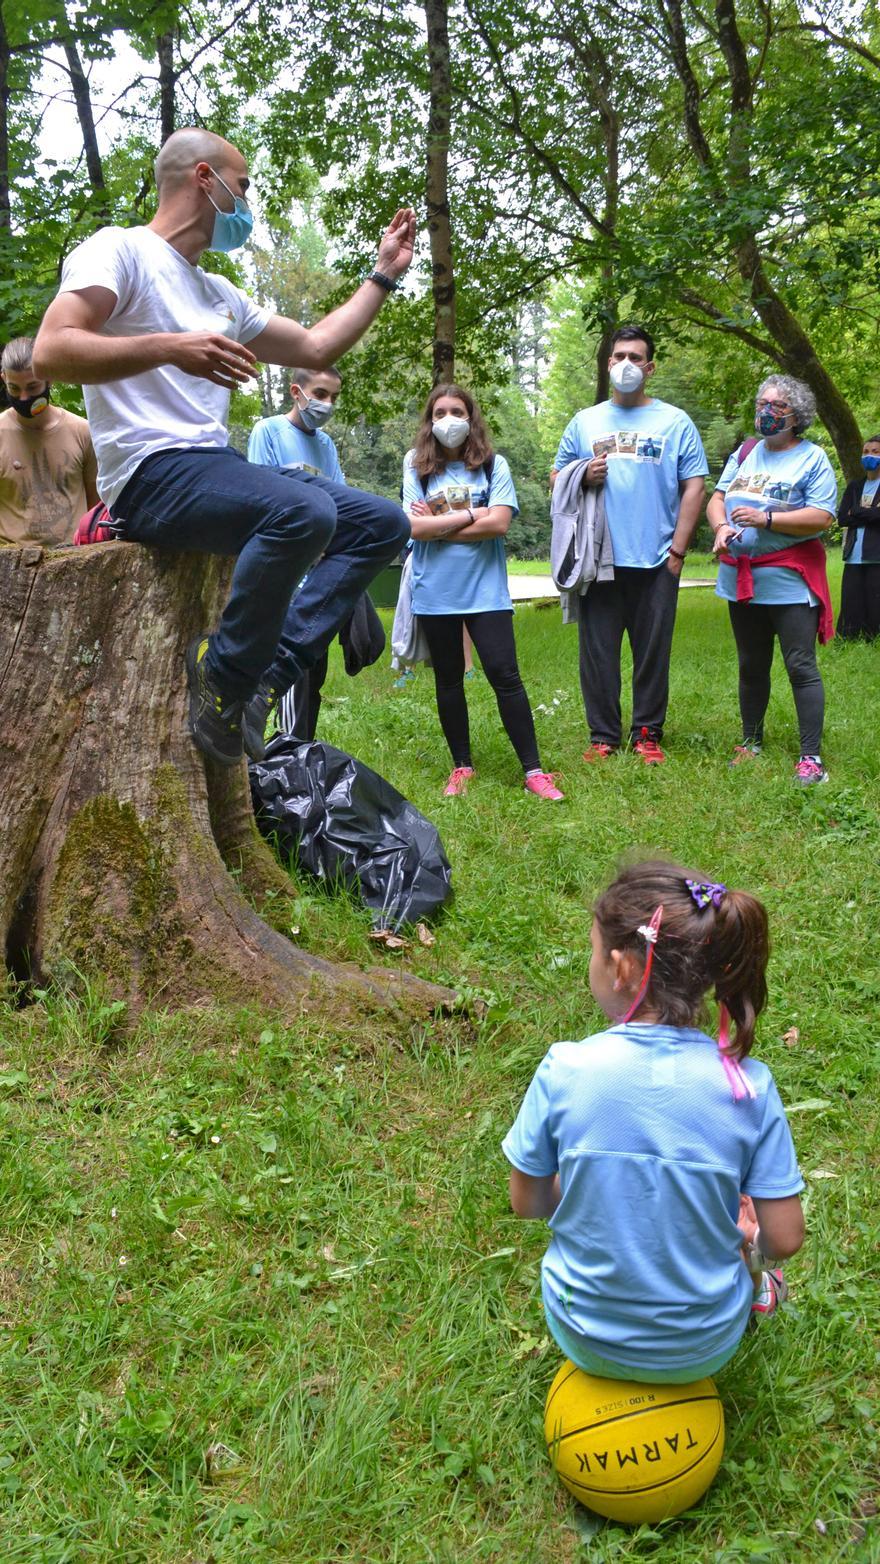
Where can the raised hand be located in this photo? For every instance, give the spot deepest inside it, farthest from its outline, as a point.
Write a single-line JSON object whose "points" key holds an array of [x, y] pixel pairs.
{"points": [[397, 244]]}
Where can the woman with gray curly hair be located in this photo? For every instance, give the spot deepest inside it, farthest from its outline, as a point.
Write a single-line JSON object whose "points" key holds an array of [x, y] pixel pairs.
{"points": [[774, 498]]}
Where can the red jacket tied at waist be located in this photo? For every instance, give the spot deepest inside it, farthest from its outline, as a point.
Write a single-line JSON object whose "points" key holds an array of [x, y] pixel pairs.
{"points": [[807, 559]]}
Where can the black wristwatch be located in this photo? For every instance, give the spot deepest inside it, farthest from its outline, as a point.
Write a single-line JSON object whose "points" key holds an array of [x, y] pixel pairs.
{"points": [[768, 520], [387, 283]]}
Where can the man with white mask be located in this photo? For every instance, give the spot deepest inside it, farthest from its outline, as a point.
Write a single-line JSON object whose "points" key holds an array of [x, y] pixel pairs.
{"points": [[159, 345], [649, 460]]}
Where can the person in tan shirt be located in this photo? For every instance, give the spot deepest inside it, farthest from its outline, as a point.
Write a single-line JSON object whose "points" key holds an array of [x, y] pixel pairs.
{"points": [[48, 471]]}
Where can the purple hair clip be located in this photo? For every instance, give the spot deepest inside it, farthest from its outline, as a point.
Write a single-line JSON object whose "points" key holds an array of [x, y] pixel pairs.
{"points": [[706, 892]]}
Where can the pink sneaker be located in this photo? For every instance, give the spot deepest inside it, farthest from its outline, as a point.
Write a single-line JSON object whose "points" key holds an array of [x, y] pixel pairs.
{"points": [[809, 769], [743, 753], [772, 1292], [458, 782], [542, 783]]}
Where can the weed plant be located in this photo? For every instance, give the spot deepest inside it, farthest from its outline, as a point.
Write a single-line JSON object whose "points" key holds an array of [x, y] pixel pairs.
{"points": [[262, 1297]]}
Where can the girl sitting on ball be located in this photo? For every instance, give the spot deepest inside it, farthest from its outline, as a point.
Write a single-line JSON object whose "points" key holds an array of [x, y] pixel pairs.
{"points": [[643, 1143]]}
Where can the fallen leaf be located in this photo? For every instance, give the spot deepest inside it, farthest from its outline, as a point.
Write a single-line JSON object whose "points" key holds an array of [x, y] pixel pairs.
{"points": [[390, 940], [810, 1105], [818, 1173], [425, 935], [792, 1037]]}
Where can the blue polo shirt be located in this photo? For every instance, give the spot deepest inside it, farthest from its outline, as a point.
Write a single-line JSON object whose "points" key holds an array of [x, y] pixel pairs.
{"points": [[652, 1152], [651, 450]]}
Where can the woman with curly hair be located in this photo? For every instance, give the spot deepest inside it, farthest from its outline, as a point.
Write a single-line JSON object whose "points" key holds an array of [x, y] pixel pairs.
{"points": [[767, 514], [460, 499]]}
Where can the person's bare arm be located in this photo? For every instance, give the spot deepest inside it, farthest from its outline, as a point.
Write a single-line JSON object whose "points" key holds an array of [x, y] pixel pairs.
{"points": [[534, 1197], [70, 346], [90, 476], [460, 526], [691, 494], [807, 522], [780, 1226], [286, 342]]}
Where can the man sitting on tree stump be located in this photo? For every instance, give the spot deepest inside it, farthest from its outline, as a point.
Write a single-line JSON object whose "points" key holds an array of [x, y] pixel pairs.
{"points": [[158, 345]]}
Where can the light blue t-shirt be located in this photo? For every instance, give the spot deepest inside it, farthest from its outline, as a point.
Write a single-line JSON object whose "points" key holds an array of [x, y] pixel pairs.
{"points": [[460, 578], [276, 442], [869, 489], [651, 450], [777, 481], [652, 1153]]}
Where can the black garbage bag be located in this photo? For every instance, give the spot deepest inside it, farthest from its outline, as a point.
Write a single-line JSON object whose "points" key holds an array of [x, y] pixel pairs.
{"points": [[344, 823]]}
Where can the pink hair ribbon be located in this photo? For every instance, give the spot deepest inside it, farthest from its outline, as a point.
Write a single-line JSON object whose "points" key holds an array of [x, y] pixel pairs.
{"points": [[649, 932], [739, 1082]]}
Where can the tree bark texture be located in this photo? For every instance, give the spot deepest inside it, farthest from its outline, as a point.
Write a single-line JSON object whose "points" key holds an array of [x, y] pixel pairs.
{"points": [[82, 97], [116, 837], [437, 190], [167, 82]]}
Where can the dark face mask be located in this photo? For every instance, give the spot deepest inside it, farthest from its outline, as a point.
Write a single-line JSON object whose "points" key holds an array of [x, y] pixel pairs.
{"points": [[768, 422], [30, 406]]}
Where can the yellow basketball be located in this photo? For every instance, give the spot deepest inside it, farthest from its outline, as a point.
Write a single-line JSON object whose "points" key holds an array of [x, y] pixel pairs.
{"points": [[633, 1452]]}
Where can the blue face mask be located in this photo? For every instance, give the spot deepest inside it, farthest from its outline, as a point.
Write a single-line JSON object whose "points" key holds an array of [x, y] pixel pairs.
{"points": [[870, 463], [231, 229]]}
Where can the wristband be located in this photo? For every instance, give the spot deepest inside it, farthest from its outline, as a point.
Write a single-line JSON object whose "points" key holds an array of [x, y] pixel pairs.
{"points": [[675, 554], [471, 515], [768, 520], [388, 283]]}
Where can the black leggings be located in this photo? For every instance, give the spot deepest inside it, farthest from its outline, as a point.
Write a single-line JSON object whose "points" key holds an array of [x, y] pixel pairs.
{"points": [[755, 625], [492, 635]]}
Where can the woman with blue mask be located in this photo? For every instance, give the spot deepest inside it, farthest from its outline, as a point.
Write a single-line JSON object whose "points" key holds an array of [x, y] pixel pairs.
{"points": [[771, 505], [860, 514]]}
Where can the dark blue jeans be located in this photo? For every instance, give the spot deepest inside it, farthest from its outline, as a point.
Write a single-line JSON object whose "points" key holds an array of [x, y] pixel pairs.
{"points": [[281, 524]]}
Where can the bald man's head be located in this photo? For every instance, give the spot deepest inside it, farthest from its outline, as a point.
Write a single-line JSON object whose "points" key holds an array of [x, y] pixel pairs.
{"points": [[183, 150]]}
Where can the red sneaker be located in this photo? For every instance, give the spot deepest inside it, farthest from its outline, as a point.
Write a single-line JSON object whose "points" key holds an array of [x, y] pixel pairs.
{"points": [[648, 749], [544, 785], [458, 782], [599, 751]]}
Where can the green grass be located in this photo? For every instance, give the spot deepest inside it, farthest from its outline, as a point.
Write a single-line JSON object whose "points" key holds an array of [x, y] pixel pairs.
{"points": [[292, 1240]]}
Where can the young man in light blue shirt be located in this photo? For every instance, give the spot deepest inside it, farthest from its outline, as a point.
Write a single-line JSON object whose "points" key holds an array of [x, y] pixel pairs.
{"points": [[648, 459], [296, 441]]}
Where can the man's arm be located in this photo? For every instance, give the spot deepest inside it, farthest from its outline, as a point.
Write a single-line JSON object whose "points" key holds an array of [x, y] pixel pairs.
{"points": [[691, 494], [534, 1197], [288, 343], [69, 346], [90, 475]]}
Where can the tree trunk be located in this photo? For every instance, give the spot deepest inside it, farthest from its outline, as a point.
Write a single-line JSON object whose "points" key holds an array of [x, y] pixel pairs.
{"points": [[82, 97], [437, 190], [167, 81], [5, 55], [115, 835]]}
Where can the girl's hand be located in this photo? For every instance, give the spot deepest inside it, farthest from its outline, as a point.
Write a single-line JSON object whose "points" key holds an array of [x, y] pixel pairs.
{"points": [[420, 508], [747, 1221]]}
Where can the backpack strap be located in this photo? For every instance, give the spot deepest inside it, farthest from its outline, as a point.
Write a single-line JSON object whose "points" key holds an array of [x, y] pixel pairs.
{"points": [[747, 445]]}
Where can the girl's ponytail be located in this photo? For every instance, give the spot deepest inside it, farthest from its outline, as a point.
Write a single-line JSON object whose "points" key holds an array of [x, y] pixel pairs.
{"points": [[739, 952]]}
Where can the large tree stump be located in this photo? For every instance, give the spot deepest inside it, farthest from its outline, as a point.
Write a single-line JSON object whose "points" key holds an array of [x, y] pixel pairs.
{"points": [[116, 837]]}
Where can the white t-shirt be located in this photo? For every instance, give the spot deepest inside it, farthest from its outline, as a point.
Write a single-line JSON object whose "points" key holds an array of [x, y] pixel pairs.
{"points": [[156, 290]]}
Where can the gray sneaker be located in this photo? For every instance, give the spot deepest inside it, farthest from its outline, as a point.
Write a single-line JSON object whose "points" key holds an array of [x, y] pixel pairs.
{"points": [[254, 718], [214, 722]]}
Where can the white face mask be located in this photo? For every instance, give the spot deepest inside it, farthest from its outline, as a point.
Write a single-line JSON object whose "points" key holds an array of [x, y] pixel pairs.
{"points": [[451, 431], [625, 376]]}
